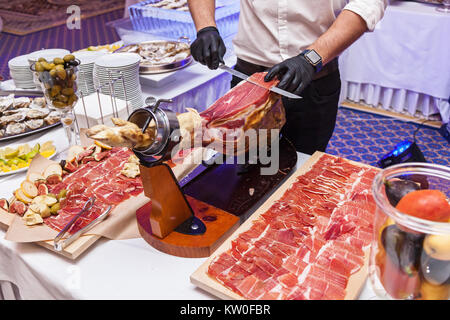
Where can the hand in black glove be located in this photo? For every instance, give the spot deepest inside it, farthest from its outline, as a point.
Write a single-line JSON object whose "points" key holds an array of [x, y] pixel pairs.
{"points": [[208, 48], [295, 74]]}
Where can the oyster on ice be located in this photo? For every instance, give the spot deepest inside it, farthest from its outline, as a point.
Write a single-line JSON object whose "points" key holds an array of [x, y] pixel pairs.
{"points": [[37, 114], [15, 128], [16, 117], [6, 102], [34, 124], [52, 118], [22, 102]]}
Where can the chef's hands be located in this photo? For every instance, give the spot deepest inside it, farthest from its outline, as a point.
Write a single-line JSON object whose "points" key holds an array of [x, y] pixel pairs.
{"points": [[208, 48], [295, 74]]}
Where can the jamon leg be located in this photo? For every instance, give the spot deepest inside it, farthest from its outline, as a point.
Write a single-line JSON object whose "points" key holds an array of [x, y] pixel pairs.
{"points": [[223, 126]]}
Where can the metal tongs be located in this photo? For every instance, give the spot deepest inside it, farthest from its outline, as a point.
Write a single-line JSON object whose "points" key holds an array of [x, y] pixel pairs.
{"points": [[60, 245]]}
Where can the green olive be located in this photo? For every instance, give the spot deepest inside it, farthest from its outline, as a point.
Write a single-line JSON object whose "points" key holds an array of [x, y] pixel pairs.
{"points": [[38, 67], [62, 194], [42, 60], [59, 67], [61, 74], [58, 61], [74, 77], [55, 208], [72, 99], [47, 66], [56, 89], [67, 91], [59, 104], [69, 57], [52, 73], [62, 98]]}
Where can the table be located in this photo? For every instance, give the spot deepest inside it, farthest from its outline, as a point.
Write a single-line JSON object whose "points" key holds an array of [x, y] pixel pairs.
{"points": [[402, 66], [110, 269]]}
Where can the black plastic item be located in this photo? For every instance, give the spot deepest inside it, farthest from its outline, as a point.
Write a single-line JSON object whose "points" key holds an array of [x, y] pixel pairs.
{"points": [[411, 154], [226, 187], [192, 226], [444, 130]]}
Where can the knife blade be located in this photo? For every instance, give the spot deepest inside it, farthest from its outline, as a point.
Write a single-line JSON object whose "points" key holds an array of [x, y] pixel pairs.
{"points": [[199, 169], [246, 78]]}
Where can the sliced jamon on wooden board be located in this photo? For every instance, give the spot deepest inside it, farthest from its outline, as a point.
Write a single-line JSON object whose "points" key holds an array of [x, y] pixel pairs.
{"points": [[309, 240]]}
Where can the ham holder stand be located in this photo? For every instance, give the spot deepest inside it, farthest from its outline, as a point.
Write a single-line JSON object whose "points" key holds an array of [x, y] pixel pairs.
{"points": [[179, 221]]}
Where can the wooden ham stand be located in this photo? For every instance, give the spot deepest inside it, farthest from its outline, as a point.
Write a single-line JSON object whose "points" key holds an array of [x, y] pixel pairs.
{"points": [[179, 225], [171, 222]]}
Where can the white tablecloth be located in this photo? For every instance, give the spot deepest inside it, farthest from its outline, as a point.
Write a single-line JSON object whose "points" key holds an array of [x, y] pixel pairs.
{"points": [[110, 269], [119, 269], [404, 64]]}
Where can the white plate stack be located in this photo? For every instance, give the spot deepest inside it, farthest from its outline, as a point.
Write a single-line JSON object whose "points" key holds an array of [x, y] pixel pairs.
{"points": [[48, 54], [85, 81], [19, 70], [109, 67]]}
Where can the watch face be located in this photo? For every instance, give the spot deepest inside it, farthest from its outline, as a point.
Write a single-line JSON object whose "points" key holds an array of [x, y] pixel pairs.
{"points": [[313, 57]]}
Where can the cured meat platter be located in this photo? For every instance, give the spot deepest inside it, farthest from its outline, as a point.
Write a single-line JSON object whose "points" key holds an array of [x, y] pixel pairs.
{"points": [[106, 176], [239, 268]]}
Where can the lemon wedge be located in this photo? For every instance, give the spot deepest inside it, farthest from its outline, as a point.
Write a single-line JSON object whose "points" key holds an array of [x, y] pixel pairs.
{"points": [[102, 145]]}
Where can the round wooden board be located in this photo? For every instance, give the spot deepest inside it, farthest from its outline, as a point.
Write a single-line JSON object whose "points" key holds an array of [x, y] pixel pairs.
{"points": [[219, 226]]}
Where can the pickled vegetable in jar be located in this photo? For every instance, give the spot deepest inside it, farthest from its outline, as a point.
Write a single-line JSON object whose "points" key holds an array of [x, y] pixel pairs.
{"points": [[410, 253]]}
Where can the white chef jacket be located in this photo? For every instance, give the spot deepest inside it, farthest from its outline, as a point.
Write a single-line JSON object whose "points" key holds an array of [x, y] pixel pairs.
{"points": [[271, 31]]}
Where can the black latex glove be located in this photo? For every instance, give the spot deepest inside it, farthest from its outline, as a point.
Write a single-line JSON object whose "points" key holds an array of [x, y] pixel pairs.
{"points": [[208, 48], [295, 74]]}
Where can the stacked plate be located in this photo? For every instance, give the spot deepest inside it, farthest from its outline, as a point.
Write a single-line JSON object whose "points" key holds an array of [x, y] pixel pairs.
{"points": [[48, 54], [109, 68], [19, 70], [85, 81]]}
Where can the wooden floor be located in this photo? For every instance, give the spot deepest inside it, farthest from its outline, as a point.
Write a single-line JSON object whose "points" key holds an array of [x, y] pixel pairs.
{"points": [[371, 109]]}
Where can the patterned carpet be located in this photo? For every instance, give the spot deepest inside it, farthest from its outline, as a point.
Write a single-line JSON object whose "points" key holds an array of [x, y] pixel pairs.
{"points": [[22, 17], [93, 32], [366, 137]]}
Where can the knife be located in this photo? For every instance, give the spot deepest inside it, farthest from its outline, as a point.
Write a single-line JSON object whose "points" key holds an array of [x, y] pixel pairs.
{"points": [[246, 78], [199, 169]]}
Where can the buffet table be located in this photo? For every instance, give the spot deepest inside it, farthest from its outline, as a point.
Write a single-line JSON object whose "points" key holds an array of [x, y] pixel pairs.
{"points": [[110, 269], [403, 65]]}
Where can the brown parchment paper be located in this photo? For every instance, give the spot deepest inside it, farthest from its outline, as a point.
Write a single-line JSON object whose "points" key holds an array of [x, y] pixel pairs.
{"points": [[119, 225]]}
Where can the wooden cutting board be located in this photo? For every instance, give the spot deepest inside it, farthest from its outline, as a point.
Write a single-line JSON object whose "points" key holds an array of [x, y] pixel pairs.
{"points": [[201, 279], [73, 251]]}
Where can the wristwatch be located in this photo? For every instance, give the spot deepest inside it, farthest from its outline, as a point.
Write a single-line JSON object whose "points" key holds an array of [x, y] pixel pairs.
{"points": [[313, 58]]}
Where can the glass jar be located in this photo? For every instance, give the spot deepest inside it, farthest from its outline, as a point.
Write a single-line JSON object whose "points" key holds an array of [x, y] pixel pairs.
{"points": [[410, 256]]}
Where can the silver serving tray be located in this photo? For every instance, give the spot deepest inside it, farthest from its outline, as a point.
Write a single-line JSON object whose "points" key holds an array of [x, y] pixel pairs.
{"points": [[29, 132], [159, 68], [430, 2]]}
